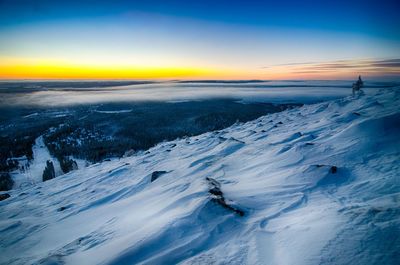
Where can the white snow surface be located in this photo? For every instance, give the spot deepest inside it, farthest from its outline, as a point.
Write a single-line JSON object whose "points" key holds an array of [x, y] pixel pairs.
{"points": [[297, 209], [114, 111], [33, 171]]}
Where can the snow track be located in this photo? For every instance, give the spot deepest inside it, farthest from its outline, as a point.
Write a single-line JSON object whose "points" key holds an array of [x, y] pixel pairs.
{"points": [[318, 185], [33, 173]]}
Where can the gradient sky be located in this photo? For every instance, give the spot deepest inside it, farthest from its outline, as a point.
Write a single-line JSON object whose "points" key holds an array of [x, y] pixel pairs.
{"points": [[199, 39]]}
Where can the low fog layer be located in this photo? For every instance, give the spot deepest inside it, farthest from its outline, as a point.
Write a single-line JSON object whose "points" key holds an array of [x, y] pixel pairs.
{"points": [[70, 93]]}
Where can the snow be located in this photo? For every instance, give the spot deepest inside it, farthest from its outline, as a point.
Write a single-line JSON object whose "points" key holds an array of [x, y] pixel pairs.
{"points": [[31, 115], [114, 111], [33, 171], [318, 184]]}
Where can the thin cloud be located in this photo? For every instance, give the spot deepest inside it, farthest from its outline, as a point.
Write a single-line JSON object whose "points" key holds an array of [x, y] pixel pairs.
{"points": [[377, 67]]}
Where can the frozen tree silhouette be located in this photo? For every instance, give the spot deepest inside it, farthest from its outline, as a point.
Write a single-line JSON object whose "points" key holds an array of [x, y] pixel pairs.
{"points": [[358, 85], [48, 172]]}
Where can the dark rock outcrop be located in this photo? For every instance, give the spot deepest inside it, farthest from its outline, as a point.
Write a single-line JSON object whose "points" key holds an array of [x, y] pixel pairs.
{"points": [[4, 196], [62, 208], [215, 191], [156, 174], [218, 196], [332, 169]]}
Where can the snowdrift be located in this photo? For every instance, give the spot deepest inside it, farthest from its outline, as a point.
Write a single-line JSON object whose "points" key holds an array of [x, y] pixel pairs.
{"points": [[318, 184]]}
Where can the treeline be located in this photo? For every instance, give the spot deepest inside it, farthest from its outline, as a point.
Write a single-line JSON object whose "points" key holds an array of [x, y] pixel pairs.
{"points": [[102, 136], [18, 133], [6, 182], [16, 146]]}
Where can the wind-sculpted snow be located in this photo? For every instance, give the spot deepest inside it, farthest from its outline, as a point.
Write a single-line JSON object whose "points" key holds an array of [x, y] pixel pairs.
{"points": [[316, 185]]}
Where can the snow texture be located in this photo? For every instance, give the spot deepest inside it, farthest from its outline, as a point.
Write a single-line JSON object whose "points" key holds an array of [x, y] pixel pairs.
{"points": [[318, 184]]}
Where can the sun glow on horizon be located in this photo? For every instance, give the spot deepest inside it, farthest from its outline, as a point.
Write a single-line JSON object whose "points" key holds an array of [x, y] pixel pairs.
{"points": [[205, 40], [52, 69], [18, 68]]}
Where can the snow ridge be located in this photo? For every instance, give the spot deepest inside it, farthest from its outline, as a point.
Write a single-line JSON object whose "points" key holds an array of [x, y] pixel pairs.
{"points": [[317, 185]]}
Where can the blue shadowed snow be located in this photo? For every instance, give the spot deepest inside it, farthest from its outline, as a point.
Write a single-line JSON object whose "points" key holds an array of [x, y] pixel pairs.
{"points": [[318, 184]]}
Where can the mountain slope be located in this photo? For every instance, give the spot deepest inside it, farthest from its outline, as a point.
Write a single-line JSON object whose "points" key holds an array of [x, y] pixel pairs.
{"points": [[317, 185]]}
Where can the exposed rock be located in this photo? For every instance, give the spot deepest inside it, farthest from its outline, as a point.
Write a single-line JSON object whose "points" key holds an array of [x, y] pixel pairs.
{"points": [[212, 182], [215, 191], [221, 201], [218, 196], [62, 208], [156, 174], [4, 196], [332, 169]]}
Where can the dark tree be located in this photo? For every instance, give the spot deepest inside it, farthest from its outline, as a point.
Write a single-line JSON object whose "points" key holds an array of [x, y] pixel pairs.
{"points": [[67, 164], [6, 182], [358, 85], [49, 172]]}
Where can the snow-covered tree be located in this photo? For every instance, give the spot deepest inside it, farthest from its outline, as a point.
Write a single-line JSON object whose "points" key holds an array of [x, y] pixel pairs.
{"points": [[358, 85]]}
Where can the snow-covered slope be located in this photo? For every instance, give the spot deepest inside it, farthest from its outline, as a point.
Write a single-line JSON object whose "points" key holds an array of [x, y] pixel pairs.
{"points": [[318, 184]]}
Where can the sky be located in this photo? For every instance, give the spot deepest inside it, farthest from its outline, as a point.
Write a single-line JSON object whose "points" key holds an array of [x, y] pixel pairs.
{"points": [[199, 39]]}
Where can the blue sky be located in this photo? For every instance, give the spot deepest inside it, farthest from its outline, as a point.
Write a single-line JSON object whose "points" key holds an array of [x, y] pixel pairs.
{"points": [[238, 37], [369, 17]]}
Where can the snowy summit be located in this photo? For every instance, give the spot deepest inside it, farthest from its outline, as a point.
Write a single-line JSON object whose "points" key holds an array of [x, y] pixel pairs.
{"points": [[318, 184]]}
